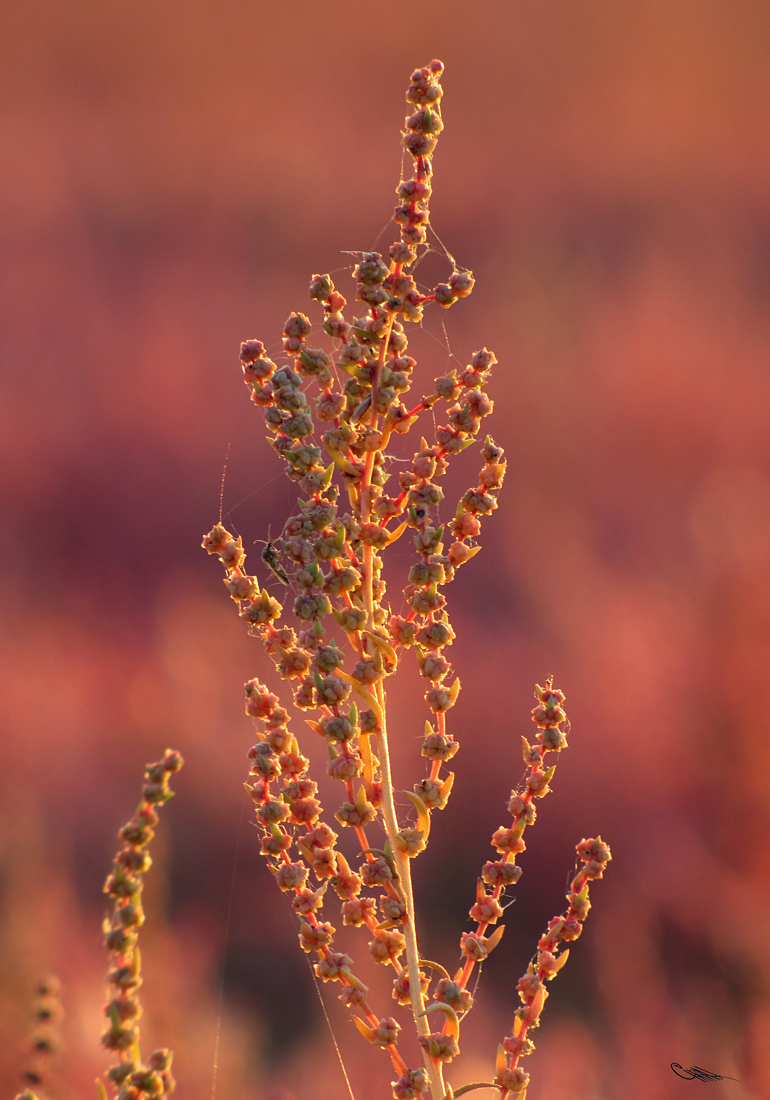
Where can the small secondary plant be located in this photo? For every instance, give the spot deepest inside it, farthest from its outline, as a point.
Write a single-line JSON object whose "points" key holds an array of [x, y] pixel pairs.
{"points": [[130, 1077]]}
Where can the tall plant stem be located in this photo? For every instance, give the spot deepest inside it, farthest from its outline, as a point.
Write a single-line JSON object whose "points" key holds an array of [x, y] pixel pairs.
{"points": [[438, 1090], [388, 804]]}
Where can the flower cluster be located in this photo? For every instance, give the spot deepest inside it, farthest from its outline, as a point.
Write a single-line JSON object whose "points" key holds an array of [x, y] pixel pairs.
{"points": [[133, 1078], [548, 715], [331, 412], [45, 1040]]}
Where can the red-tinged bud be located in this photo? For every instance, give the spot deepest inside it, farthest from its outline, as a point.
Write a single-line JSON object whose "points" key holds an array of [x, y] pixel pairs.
{"points": [[443, 295], [507, 840], [308, 901], [441, 1047], [386, 1032], [452, 993], [571, 929], [271, 812], [437, 746], [215, 541], [291, 876], [402, 631], [336, 302], [305, 811], [512, 1080], [414, 190], [579, 907], [321, 287], [275, 845], [486, 911], [332, 966], [410, 841], [251, 350], [262, 610], [433, 666], [358, 911], [350, 814], [546, 963], [425, 121], [119, 1038], [242, 587], [473, 946], [376, 872], [410, 1085], [336, 326], [386, 945], [419, 145], [371, 270], [461, 283], [594, 850], [500, 873], [345, 768], [260, 703], [297, 325], [552, 739], [311, 937]]}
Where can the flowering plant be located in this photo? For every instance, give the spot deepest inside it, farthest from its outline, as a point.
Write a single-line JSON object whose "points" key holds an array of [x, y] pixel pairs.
{"points": [[347, 642]]}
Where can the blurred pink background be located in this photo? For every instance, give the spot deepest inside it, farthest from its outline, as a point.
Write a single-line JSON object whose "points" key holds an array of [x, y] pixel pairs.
{"points": [[174, 174]]}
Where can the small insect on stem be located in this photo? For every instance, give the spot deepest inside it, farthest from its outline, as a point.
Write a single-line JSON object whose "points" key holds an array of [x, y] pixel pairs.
{"points": [[273, 562]]}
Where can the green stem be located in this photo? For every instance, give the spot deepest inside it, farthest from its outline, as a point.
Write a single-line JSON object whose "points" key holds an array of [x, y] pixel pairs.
{"points": [[433, 1067], [402, 863]]}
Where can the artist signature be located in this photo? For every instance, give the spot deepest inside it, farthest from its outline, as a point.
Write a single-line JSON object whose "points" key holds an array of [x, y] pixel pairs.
{"points": [[701, 1074]]}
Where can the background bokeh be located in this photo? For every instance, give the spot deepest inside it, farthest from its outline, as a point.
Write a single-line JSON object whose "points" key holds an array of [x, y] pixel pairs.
{"points": [[173, 174]]}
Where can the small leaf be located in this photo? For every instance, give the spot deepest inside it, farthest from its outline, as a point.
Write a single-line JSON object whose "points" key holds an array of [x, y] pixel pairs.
{"points": [[560, 961], [393, 535], [343, 462], [361, 800], [434, 966], [351, 979], [495, 938], [446, 788], [537, 1004], [453, 1024], [382, 643], [423, 817], [359, 411], [365, 1030], [476, 1085], [365, 749], [343, 864]]}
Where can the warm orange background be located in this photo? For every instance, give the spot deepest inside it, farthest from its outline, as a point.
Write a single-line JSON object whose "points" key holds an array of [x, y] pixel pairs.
{"points": [[174, 173]]}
